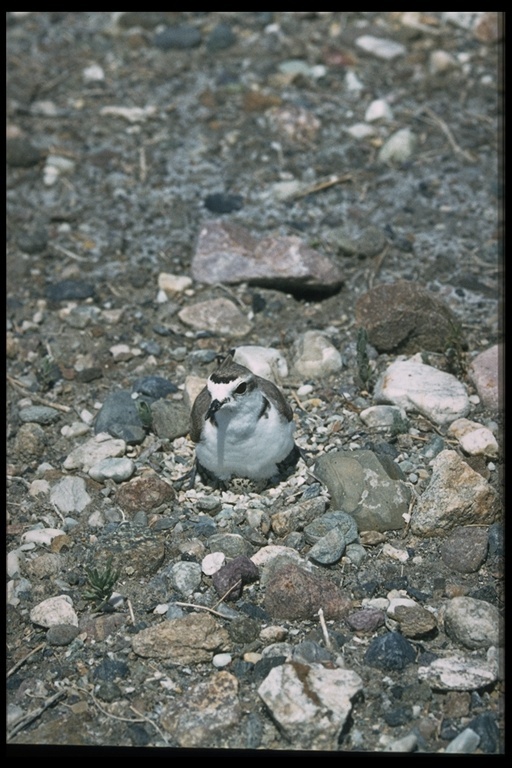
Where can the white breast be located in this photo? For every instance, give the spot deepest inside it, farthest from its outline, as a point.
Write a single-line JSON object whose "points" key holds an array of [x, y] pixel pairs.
{"points": [[243, 445]]}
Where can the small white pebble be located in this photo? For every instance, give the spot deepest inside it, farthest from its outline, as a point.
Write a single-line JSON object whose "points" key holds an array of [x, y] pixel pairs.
{"points": [[222, 660]]}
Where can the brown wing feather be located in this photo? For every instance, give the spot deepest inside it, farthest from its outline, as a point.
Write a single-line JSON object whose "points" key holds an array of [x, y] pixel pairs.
{"points": [[198, 413], [270, 390]]}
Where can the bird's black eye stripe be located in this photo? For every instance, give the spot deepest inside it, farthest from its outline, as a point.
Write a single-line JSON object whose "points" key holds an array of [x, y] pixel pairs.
{"points": [[241, 388]]}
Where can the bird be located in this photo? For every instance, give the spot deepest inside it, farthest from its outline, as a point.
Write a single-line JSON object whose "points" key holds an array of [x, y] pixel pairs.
{"points": [[243, 428]]}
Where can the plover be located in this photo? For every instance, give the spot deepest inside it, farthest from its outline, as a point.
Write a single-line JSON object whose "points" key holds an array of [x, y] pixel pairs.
{"points": [[243, 427]]}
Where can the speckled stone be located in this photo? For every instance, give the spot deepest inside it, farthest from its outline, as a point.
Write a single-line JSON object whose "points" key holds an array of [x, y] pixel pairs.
{"points": [[189, 640], [147, 492], [390, 651], [466, 548], [294, 593], [404, 317], [230, 579]]}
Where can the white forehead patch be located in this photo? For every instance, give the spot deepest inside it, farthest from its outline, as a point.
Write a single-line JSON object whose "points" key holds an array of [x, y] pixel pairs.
{"points": [[221, 391]]}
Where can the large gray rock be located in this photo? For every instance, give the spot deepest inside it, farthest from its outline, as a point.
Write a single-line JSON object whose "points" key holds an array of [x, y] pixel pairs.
{"points": [[360, 484], [309, 702], [413, 386], [405, 317], [456, 495], [228, 253]]}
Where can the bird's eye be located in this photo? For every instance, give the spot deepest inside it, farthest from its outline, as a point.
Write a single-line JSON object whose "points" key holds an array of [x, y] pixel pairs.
{"points": [[241, 388]]}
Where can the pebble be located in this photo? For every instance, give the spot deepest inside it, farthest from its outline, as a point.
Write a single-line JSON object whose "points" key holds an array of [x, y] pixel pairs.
{"points": [[440, 62], [360, 130], [486, 727], [179, 37], [413, 620], [484, 372], [94, 73], [170, 419], [94, 450], [147, 492], [366, 620], [18, 590], [185, 577], [496, 540], [231, 544], [221, 660], [70, 496], [473, 623], [220, 316], [323, 524], [47, 565], [405, 744], [329, 549], [356, 553], [394, 553], [474, 438], [154, 386], [378, 109], [360, 485], [405, 317], [53, 611], [61, 634], [297, 517], [33, 240], [212, 562], [41, 536], [39, 487], [459, 673], [390, 652], [414, 386], [465, 743], [120, 417], [122, 352], [267, 362], [13, 563], [296, 67], [117, 470], [39, 414], [69, 290], [229, 580], [465, 549], [173, 284], [221, 202], [385, 417], [31, 442], [229, 253], [221, 37], [207, 711], [79, 317], [294, 593], [455, 496], [192, 639], [310, 702], [316, 356], [399, 148], [382, 48], [20, 153]]}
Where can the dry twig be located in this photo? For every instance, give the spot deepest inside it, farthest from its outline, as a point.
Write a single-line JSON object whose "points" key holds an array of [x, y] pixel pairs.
{"points": [[449, 135], [203, 608], [30, 716], [24, 659], [324, 184], [41, 400]]}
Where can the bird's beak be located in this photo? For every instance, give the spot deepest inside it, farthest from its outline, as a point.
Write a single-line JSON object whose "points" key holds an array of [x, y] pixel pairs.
{"points": [[212, 410]]}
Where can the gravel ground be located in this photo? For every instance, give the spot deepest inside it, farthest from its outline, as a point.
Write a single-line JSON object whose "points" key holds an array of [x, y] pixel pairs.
{"points": [[126, 133]]}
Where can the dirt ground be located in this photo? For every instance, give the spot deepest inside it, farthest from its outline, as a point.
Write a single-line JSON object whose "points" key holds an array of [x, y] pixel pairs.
{"points": [[117, 136]]}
